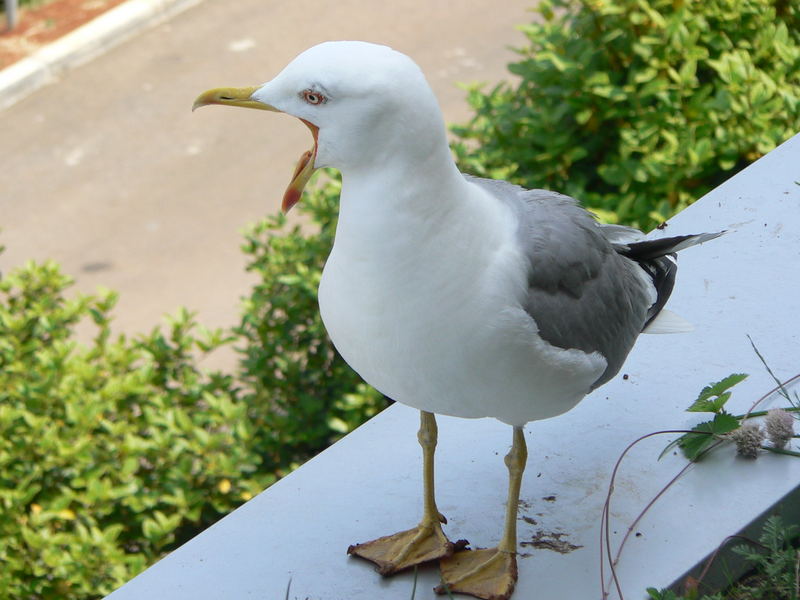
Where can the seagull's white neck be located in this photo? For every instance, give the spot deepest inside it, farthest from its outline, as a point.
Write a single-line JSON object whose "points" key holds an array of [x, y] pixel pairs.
{"points": [[406, 199], [414, 223], [424, 183]]}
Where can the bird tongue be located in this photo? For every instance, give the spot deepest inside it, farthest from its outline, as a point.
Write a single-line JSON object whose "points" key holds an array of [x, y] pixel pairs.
{"points": [[302, 172]]}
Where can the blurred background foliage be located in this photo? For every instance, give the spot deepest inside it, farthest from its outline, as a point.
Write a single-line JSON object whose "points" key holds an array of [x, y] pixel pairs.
{"points": [[639, 107], [114, 452]]}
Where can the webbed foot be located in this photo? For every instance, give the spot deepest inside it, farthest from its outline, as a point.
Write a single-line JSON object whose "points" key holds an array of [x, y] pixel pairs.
{"points": [[490, 574], [394, 553]]}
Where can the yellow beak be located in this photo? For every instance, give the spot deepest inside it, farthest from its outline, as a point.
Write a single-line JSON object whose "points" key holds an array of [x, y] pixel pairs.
{"points": [[243, 97], [231, 97]]}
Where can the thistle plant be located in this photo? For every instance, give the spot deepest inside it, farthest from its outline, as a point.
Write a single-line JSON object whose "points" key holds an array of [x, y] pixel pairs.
{"points": [[779, 426], [748, 439]]}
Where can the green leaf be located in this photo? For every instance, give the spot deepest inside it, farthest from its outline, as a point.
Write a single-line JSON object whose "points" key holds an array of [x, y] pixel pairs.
{"points": [[687, 71], [695, 444], [714, 396]]}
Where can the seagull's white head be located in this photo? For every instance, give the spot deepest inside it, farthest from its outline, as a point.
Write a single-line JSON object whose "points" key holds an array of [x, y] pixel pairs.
{"points": [[365, 105]]}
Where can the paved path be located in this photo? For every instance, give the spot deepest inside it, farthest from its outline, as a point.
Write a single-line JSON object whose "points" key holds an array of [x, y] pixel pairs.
{"points": [[109, 173]]}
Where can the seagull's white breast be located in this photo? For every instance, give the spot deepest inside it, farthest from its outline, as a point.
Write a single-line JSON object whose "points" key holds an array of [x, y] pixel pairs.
{"points": [[429, 313]]}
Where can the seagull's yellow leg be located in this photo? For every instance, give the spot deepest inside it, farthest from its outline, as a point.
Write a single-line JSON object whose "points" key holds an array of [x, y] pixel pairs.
{"points": [[491, 573], [425, 542]]}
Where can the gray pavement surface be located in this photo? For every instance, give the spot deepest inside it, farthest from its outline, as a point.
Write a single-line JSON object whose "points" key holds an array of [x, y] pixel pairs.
{"points": [[109, 173]]}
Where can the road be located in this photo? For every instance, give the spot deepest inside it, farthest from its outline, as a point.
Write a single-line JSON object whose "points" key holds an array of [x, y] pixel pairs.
{"points": [[110, 174]]}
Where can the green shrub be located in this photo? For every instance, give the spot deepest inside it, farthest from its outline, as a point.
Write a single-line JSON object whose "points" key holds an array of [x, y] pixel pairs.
{"points": [[109, 454], [638, 107], [115, 452], [777, 563]]}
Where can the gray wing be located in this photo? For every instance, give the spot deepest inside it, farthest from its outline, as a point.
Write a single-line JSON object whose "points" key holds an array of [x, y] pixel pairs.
{"points": [[581, 292]]}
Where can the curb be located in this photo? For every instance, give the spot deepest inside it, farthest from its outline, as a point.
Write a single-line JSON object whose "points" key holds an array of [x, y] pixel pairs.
{"points": [[80, 46]]}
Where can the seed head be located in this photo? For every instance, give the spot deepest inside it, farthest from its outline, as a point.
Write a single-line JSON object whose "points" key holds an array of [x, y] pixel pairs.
{"points": [[780, 427], [748, 439]]}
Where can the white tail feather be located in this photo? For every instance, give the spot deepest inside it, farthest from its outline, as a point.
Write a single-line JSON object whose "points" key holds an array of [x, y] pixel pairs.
{"points": [[668, 322]]}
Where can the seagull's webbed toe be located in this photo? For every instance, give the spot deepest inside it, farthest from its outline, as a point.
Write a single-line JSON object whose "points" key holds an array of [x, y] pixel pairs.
{"points": [[400, 551], [489, 574]]}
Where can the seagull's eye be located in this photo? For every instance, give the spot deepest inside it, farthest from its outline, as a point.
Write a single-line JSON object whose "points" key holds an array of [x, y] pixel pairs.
{"points": [[313, 97]]}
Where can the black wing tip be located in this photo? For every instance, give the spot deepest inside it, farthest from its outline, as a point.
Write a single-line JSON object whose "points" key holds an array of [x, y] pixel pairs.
{"points": [[652, 249]]}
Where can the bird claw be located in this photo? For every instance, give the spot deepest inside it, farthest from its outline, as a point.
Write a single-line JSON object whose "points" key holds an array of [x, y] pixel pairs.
{"points": [[489, 574]]}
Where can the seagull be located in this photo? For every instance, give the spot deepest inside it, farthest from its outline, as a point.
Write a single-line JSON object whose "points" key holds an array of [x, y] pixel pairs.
{"points": [[452, 294]]}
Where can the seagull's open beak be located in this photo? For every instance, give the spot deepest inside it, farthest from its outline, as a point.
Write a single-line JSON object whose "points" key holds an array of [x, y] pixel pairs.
{"points": [[243, 97]]}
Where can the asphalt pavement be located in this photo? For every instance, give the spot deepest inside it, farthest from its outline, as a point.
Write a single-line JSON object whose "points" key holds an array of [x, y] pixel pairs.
{"points": [[108, 172]]}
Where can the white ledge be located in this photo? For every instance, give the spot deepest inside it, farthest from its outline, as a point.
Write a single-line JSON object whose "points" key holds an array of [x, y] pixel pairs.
{"points": [[368, 484]]}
